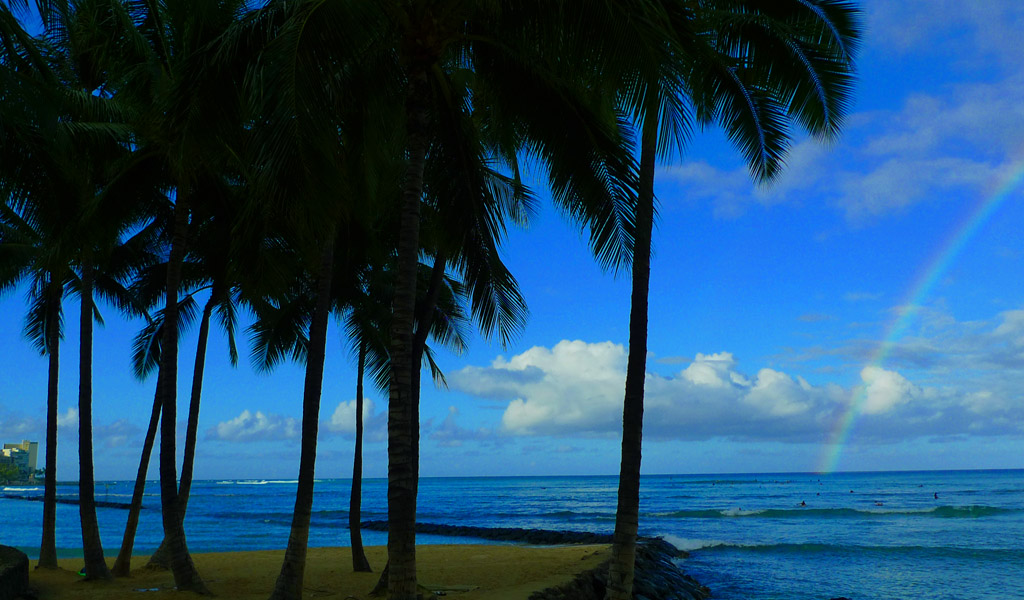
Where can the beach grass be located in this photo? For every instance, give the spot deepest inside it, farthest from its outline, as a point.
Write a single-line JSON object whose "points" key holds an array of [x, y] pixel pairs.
{"points": [[462, 572]]}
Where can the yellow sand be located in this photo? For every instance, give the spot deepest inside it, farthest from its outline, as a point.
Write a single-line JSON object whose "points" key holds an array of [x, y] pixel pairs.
{"points": [[462, 572]]}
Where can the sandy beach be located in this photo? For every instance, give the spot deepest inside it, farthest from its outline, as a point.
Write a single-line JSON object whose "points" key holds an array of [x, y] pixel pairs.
{"points": [[466, 572]]}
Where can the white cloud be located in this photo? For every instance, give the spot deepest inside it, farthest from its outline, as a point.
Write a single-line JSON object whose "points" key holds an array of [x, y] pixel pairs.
{"points": [[712, 370], [572, 383], [343, 420], [255, 427], [576, 388], [884, 390], [69, 419]]}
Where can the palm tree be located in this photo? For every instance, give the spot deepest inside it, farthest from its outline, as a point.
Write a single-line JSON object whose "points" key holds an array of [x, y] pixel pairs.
{"points": [[431, 41], [158, 60], [23, 254], [418, 55], [68, 167], [359, 562], [25, 251], [752, 68], [441, 316], [208, 268], [364, 325]]}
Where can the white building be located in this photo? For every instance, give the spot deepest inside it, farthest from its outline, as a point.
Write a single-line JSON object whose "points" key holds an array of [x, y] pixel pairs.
{"points": [[22, 455]]}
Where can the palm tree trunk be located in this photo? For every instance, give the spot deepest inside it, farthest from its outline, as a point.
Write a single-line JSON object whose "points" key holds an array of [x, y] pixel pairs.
{"points": [[359, 562], [424, 319], [161, 558], [289, 581], [620, 572], [192, 429], [185, 575], [123, 564], [401, 453], [92, 547], [48, 546]]}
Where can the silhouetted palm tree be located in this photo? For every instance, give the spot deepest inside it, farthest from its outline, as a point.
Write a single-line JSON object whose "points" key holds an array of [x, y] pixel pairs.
{"points": [[159, 61], [25, 251], [753, 68], [418, 50], [70, 192]]}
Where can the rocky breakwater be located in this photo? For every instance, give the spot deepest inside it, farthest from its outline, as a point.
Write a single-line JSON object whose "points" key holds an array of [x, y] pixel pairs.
{"points": [[538, 537], [656, 577], [13, 573]]}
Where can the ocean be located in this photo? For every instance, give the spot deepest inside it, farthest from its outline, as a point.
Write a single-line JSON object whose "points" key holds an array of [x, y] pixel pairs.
{"points": [[955, 535]]}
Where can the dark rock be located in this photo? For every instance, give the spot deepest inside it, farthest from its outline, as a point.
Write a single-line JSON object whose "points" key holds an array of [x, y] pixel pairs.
{"points": [[99, 503], [13, 573], [656, 577], [543, 537]]}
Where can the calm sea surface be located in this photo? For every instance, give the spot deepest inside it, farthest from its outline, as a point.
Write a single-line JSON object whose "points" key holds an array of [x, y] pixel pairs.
{"points": [[861, 535]]}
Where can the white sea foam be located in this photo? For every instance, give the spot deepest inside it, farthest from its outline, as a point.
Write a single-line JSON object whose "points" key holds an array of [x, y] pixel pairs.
{"points": [[23, 489], [739, 512], [690, 544]]}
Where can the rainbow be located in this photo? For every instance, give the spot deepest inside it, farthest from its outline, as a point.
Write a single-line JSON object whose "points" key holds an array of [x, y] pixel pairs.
{"points": [[947, 253]]}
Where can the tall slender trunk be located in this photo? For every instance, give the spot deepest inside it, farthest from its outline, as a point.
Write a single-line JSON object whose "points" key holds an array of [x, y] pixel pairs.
{"points": [[185, 575], [48, 545], [620, 572], [424, 321], [161, 558], [401, 453], [123, 564], [359, 562], [289, 581], [192, 429], [95, 564]]}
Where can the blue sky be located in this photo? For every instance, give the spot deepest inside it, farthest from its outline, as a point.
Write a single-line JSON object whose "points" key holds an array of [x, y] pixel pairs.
{"points": [[768, 309]]}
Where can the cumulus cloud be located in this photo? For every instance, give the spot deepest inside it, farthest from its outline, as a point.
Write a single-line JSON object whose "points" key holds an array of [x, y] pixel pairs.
{"points": [[69, 419], [343, 420], [884, 390], [576, 388], [572, 383], [255, 427]]}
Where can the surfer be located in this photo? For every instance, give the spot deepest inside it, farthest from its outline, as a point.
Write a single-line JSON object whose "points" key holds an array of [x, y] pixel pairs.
{"points": [[936, 494], [802, 503]]}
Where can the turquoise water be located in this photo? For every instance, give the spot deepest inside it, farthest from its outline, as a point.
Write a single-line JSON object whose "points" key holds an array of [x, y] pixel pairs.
{"points": [[883, 536]]}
